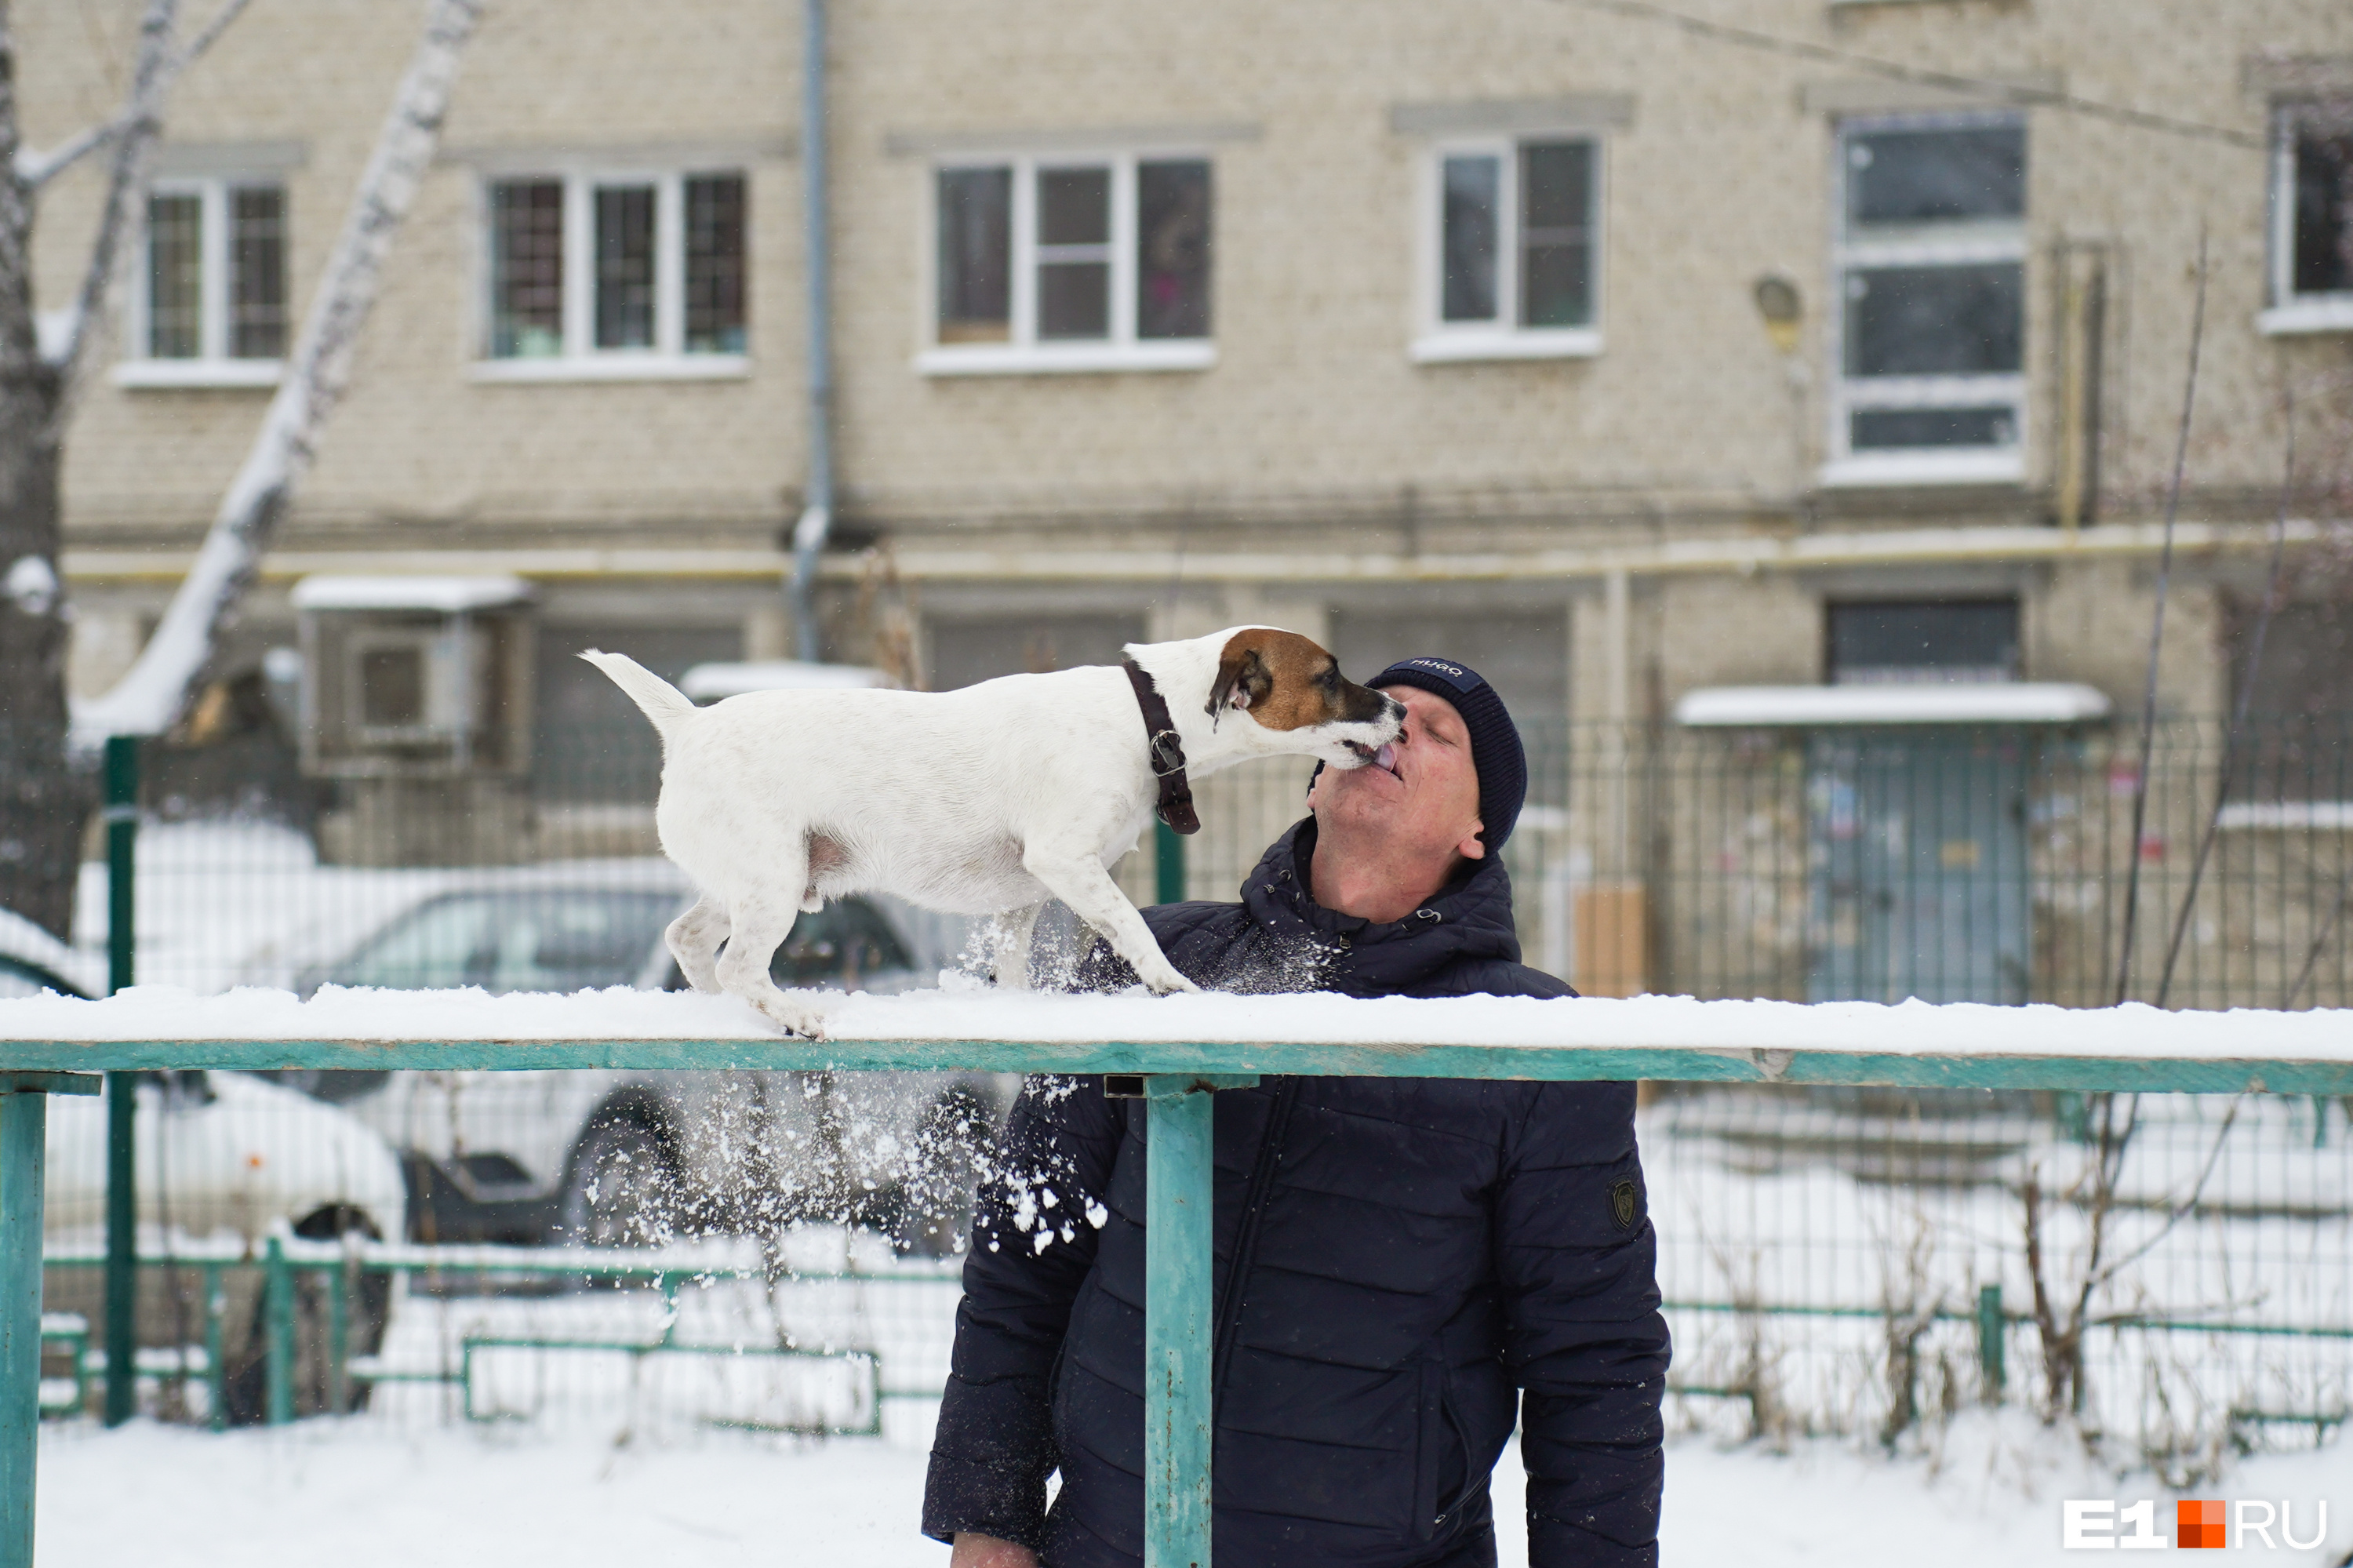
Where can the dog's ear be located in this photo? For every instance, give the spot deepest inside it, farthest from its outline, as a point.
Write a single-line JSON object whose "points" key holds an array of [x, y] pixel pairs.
{"points": [[1242, 679]]}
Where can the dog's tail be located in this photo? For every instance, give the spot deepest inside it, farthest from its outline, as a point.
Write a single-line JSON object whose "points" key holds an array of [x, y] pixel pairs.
{"points": [[661, 703]]}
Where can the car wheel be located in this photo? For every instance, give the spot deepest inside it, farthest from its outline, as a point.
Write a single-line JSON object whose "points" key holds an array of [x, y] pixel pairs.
{"points": [[622, 1189], [367, 1312]]}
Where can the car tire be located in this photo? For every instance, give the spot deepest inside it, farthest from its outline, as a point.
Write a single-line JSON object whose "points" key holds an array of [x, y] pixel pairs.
{"points": [[368, 1308], [621, 1190]]}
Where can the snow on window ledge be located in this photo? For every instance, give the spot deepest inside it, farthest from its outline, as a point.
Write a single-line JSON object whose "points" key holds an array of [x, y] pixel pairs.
{"points": [[163, 374], [2288, 816], [1470, 347], [616, 367], [2319, 313], [1919, 468], [1065, 358]]}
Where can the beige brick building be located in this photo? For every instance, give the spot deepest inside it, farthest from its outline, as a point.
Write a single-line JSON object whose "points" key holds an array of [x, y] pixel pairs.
{"points": [[1618, 359]]}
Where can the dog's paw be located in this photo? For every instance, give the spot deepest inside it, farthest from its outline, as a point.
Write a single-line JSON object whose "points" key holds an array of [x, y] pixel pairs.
{"points": [[1167, 980], [792, 1017]]}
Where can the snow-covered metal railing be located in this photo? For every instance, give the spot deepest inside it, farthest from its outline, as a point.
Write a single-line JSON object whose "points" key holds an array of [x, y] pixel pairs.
{"points": [[1172, 1053]]}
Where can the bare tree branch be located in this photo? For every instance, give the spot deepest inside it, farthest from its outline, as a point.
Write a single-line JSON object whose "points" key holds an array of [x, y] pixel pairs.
{"points": [[2177, 1212], [126, 184], [2240, 709], [37, 169], [149, 699]]}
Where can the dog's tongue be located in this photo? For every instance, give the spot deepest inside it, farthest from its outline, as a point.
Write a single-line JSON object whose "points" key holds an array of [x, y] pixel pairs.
{"points": [[1386, 758]]}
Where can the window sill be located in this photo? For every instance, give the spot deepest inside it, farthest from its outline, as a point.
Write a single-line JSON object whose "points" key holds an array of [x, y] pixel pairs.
{"points": [[2287, 817], [1467, 347], [616, 367], [2330, 312], [1065, 359], [163, 374], [1893, 469]]}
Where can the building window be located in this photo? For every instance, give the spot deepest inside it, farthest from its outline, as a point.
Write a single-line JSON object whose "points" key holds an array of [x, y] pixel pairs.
{"points": [[1931, 275], [1070, 264], [1899, 641], [2312, 221], [1511, 266], [211, 301], [616, 275]]}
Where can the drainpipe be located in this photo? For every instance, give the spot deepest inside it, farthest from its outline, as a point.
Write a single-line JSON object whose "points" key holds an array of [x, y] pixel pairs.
{"points": [[816, 509]]}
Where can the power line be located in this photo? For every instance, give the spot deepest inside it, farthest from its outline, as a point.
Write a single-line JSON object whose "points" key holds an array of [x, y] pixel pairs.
{"points": [[2008, 92]]}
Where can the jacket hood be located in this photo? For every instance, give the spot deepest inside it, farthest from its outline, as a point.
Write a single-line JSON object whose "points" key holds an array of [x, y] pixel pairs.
{"points": [[1468, 919]]}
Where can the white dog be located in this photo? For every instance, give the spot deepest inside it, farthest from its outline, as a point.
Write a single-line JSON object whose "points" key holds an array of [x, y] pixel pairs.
{"points": [[977, 801]]}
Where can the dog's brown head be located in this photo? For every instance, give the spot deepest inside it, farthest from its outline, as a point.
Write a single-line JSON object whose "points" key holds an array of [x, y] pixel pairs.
{"points": [[1286, 682]]}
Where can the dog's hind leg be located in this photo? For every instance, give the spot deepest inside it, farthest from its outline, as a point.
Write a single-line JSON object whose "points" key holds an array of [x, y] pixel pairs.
{"points": [[694, 940], [1077, 879], [1014, 942], [760, 923]]}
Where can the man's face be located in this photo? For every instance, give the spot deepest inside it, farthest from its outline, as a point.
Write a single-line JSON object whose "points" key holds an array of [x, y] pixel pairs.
{"points": [[1420, 793]]}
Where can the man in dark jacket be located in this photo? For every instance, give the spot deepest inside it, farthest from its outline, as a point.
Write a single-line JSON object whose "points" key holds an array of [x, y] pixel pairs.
{"points": [[1405, 1266]]}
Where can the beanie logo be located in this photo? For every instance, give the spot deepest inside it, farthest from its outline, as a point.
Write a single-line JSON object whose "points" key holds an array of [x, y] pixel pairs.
{"points": [[1453, 674], [1621, 1204]]}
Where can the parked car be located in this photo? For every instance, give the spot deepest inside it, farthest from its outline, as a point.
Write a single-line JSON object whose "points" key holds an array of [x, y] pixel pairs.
{"points": [[612, 1158], [223, 1160]]}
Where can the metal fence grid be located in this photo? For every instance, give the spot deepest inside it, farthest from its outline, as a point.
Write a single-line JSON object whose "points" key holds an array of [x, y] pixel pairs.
{"points": [[778, 1250]]}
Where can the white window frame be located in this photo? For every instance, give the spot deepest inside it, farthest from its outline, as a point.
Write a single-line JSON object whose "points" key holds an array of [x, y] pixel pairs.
{"points": [[1999, 241], [2289, 312], [582, 360], [1023, 353], [1437, 341], [212, 367]]}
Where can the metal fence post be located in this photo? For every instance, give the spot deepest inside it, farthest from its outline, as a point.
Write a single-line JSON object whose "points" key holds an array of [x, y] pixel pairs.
{"points": [[121, 1088], [1168, 865], [277, 1346], [339, 1332], [1992, 1324], [216, 1374], [23, 1129], [1179, 1261]]}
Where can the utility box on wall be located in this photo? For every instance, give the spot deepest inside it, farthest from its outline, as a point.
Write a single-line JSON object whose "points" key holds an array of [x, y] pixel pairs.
{"points": [[417, 702]]}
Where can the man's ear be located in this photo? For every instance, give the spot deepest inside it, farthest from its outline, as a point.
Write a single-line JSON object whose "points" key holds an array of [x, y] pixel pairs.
{"points": [[1242, 679], [1474, 845]]}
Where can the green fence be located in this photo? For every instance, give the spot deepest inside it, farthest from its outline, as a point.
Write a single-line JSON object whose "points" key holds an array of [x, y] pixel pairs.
{"points": [[2257, 1337], [1985, 863]]}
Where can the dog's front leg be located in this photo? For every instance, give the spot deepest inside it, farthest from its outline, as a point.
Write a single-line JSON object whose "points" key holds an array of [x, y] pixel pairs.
{"points": [[1077, 879]]}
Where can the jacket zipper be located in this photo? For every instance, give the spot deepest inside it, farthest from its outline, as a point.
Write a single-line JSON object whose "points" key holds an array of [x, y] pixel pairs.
{"points": [[1229, 1300]]}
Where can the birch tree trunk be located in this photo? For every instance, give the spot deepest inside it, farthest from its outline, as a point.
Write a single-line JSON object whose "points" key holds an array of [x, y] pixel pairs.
{"points": [[150, 697], [43, 800]]}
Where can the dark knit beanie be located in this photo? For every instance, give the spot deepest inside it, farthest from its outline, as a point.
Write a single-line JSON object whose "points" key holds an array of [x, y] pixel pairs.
{"points": [[1495, 749]]}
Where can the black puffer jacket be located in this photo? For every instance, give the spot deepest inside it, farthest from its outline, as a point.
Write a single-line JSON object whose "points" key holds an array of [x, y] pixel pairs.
{"points": [[1404, 1264]]}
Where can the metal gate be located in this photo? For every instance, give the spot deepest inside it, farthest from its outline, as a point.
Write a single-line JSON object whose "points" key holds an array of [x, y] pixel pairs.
{"points": [[1916, 858]]}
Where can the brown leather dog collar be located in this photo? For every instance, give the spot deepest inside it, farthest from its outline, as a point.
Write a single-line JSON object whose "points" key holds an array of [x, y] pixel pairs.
{"points": [[1166, 753]]}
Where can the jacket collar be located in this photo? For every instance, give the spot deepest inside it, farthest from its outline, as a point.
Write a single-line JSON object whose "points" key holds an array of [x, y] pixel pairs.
{"points": [[1469, 918]]}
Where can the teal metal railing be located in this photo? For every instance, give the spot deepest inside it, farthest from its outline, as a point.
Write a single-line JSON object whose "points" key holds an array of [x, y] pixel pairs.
{"points": [[1172, 1079]]}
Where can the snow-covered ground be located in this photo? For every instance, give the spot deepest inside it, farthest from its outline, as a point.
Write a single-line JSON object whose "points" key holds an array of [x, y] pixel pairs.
{"points": [[362, 1495]]}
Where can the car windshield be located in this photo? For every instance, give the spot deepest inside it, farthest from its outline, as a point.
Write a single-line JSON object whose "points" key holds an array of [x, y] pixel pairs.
{"points": [[553, 939]]}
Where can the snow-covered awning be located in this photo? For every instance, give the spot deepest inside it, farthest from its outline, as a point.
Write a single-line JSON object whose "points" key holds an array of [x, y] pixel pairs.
{"points": [[447, 596], [709, 682], [1985, 702]]}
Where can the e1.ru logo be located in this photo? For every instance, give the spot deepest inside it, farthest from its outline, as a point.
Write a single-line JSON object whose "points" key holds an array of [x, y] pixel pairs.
{"points": [[2095, 1524]]}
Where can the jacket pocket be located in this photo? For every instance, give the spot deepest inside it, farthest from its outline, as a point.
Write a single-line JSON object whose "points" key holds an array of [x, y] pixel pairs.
{"points": [[1442, 1456], [1056, 1420]]}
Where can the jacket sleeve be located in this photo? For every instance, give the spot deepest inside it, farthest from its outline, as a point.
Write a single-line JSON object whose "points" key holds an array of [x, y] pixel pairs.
{"points": [[1583, 1336], [1033, 1241]]}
